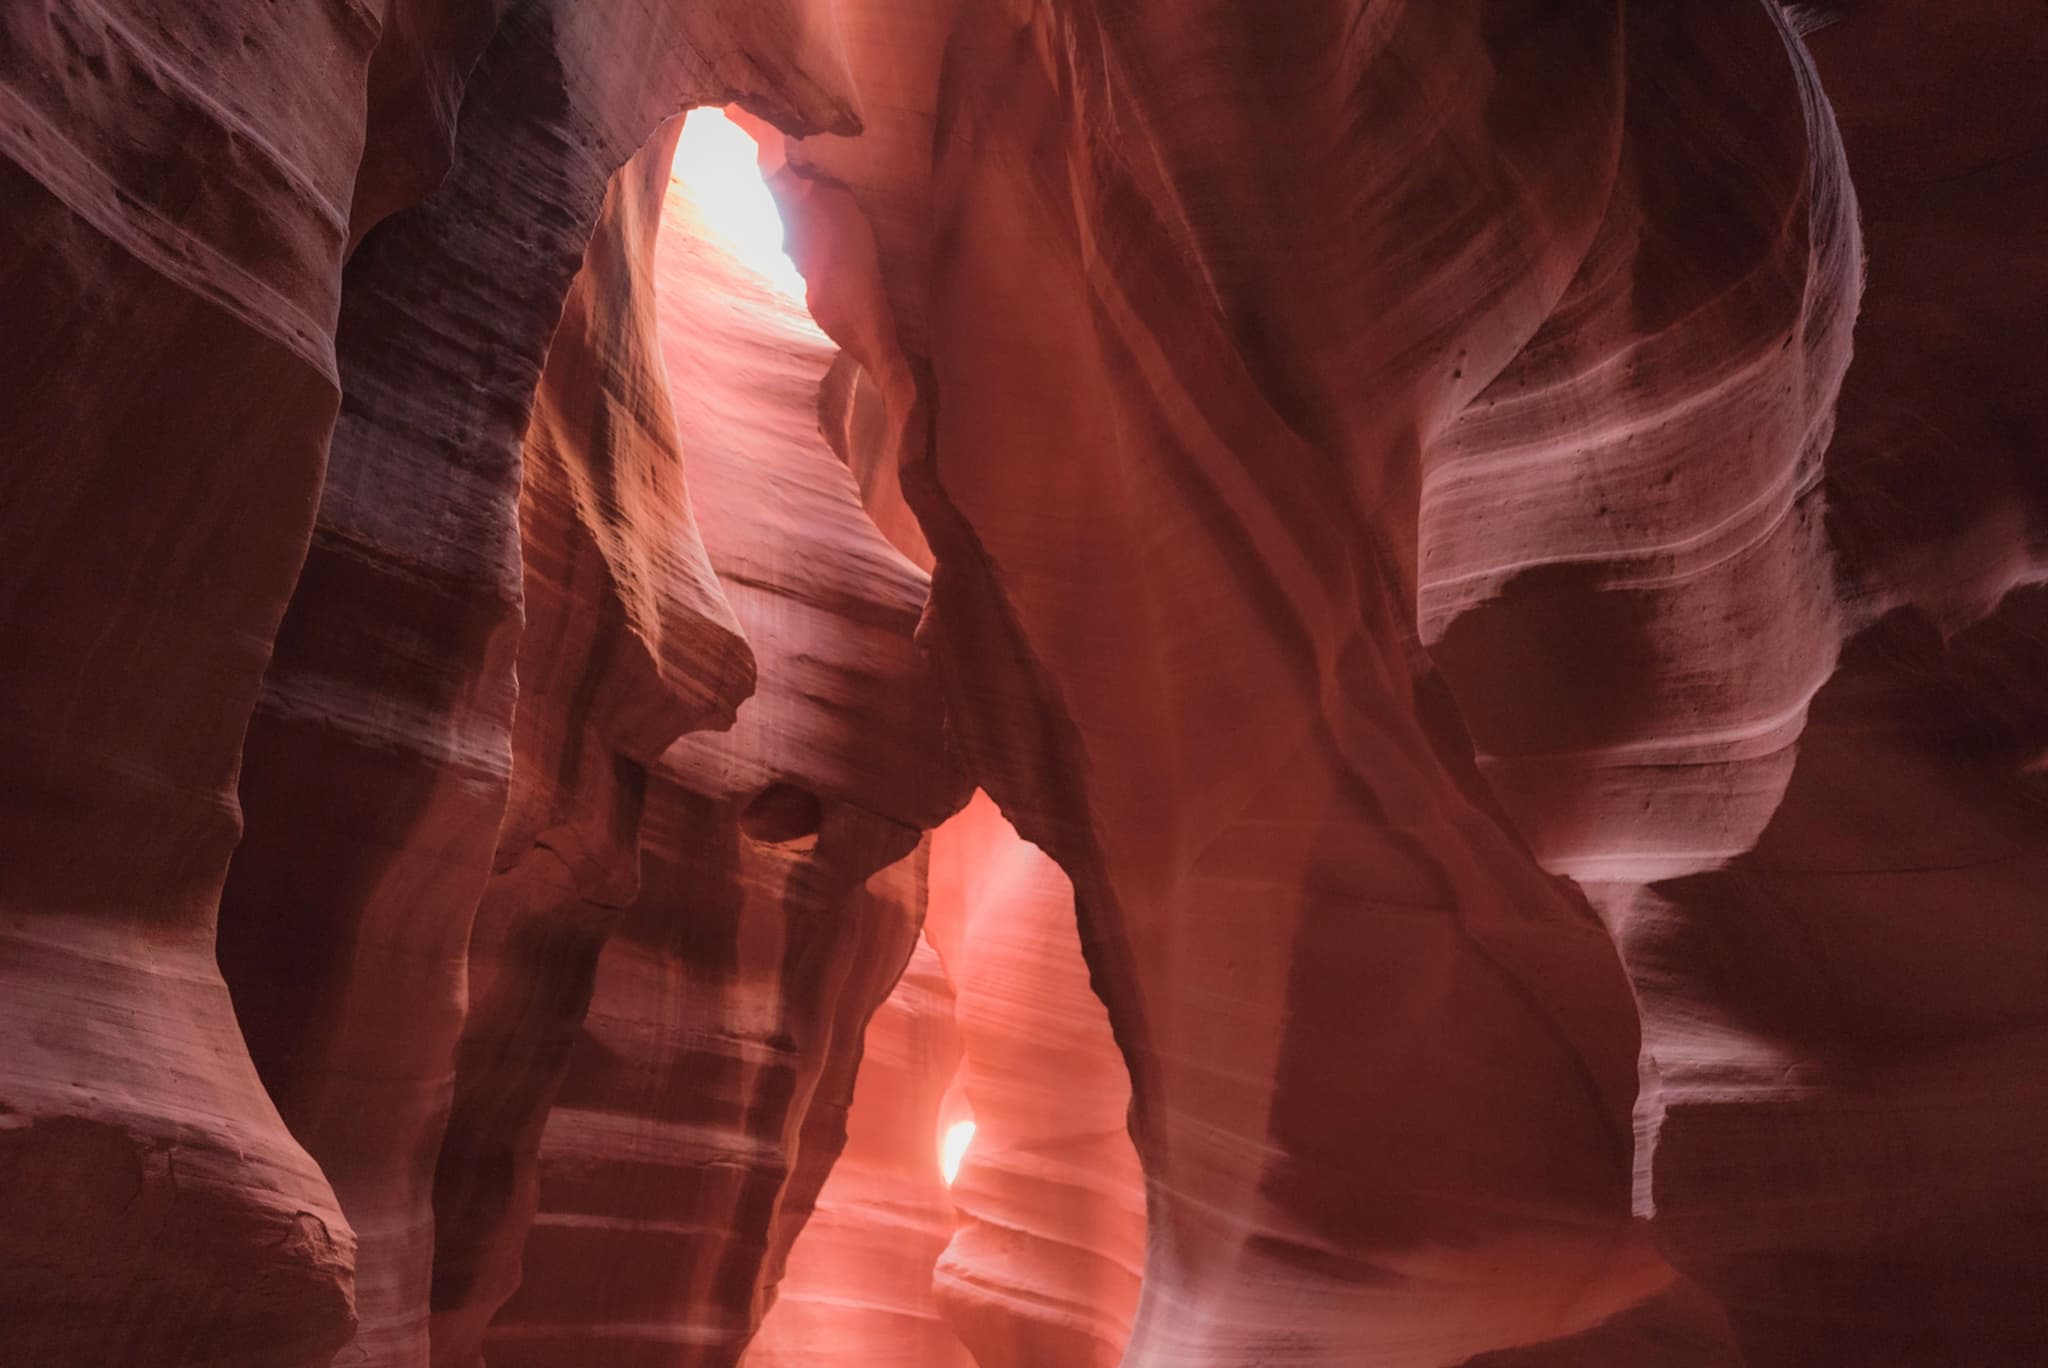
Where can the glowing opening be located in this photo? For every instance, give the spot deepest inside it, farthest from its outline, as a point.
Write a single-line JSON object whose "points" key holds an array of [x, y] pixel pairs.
{"points": [[953, 1149], [716, 162]]}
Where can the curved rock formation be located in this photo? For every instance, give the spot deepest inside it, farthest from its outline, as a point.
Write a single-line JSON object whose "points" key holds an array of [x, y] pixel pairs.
{"points": [[628, 643], [781, 889], [1847, 1016], [346, 925], [1827, 1040], [1682, 1327], [1639, 486], [173, 214], [1045, 1265], [1239, 718], [1847, 1019], [858, 1288], [1475, 534], [181, 190]]}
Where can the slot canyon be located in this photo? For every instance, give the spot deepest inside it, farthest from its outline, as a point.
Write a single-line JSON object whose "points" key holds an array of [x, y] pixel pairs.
{"points": [[1023, 684]]}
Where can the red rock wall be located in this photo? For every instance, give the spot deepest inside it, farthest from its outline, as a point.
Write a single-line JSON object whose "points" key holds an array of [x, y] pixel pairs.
{"points": [[1230, 738], [1817, 762], [170, 271], [706, 1094], [347, 928], [1639, 485], [171, 275], [182, 188], [628, 643], [1033, 1254], [858, 1288], [1471, 531], [1045, 1263], [1848, 1016], [1637, 543], [152, 521]]}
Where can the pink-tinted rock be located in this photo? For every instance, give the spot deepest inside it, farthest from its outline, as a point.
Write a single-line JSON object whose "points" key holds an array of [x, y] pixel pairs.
{"points": [[1682, 1327], [628, 643], [1165, 488], [1818, 748], [379, 763], [706, 1096], [1468, 531], [1846, 1021], [858, 1288], [174, 184], [1046, 1264], [1640, 484]]}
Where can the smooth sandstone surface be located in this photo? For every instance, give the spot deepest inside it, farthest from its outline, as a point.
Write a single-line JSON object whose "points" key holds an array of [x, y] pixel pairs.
{"points": [[1049, 1239], [1279, 857], [394, 676], [190, 192], [858, 1287], [1851, 1007], [782, 874], [628, 643], [153, 513], [1485, 556]]}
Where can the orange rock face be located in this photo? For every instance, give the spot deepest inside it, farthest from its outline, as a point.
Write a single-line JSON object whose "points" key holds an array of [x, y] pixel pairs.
{"points": [[154, 516], [1485, 557], [1287, 873], [1045, 1263], [859, 1286], [628, 643], [782, 878]]}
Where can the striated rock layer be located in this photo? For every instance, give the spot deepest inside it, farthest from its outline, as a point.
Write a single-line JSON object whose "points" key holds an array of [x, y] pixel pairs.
{"points": [[1848, 1016], [226, 224], [346, 925], [1045, 1265], [628, 642], [1033, 1256], [1468, 536], [170, 272], [858, 1288], [782, 879], [1638, 547], [1803, 784], [1382, 1064]]}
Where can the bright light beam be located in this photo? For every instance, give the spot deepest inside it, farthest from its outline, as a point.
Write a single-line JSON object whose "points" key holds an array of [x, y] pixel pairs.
{"points": [[715, 160], [953, 1149]]}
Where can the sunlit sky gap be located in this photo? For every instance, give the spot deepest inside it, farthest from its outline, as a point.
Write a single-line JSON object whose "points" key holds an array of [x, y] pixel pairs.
{"points": [[715, 161], [953, 1149]]}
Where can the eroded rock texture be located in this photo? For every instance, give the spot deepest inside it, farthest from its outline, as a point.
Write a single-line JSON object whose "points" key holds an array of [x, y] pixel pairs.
{"points": [[347, 921], [182, 187], [859, 1283], [1848, 1016], [1801, 785], [1044, 1267], [1492, 549], [1570, 384], [782, 881], [170, 268], [1165, 483], [628, 642]]}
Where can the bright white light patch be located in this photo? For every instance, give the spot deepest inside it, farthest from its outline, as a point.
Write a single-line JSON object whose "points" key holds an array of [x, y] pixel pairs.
{"points": [[715, 161], [953, 1149]]}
